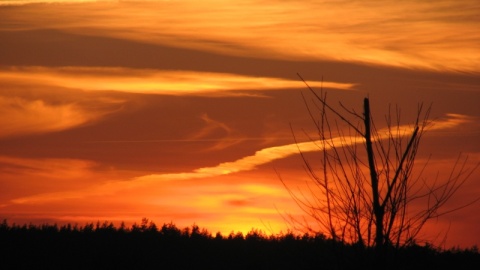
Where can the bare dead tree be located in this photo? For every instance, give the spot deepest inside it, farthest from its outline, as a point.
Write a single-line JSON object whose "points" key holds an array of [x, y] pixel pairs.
{"points": [[364, 191]]}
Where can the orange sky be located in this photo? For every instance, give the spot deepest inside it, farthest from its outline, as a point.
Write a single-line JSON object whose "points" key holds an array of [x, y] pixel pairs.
{"points": [[181, 110]]}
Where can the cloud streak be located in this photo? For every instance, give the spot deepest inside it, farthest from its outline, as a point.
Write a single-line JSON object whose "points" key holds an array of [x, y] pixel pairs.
{"points": [[270, 154], [414, 34], [22, 116], [148, 81], [213, 127], [49, 177], [244, 164]]}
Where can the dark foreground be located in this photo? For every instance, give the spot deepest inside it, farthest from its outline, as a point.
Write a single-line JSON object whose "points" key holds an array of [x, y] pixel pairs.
{"points": [[146, 246]]}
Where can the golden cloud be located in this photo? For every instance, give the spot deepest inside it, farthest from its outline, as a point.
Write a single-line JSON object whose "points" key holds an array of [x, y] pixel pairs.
{"points": [[270, 154], [149, 81], [21, 116], [247, 163], [440, 36]]}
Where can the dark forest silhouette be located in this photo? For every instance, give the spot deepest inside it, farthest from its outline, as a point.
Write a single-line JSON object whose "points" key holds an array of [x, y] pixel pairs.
{"points": [[146, 245]]}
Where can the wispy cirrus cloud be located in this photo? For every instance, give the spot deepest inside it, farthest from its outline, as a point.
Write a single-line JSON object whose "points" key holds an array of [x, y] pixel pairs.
{"points": [[149, 81], [211, 128], [29, 176], [21, 116], [159, 185], [412, 34], [270, 154], [47, 167]]}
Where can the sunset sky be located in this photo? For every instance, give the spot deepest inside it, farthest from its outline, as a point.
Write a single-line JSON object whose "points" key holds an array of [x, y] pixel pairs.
{"points": [[181, 111]]}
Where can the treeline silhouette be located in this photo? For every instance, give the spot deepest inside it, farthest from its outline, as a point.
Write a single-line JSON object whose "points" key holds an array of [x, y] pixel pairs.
{"points": [[146, 245]]}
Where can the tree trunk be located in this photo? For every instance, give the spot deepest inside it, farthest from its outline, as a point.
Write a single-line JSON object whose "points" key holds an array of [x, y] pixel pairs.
{"points": [[377, 209]]}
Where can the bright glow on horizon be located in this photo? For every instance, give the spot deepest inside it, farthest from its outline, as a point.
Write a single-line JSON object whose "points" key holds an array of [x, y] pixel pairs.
{"points": [[241, 198]]}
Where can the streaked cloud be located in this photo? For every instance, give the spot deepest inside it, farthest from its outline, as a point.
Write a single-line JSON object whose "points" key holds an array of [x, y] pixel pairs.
{"points": [[37, 177], [22, 116], [270, 154], [452, 120], [51, 167], [163, 82], [229, 136], [244, 164], [411, 34], [216, 204]]}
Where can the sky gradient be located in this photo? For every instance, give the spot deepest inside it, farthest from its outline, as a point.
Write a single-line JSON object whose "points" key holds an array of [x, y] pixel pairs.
{"points": [[183, 111]]}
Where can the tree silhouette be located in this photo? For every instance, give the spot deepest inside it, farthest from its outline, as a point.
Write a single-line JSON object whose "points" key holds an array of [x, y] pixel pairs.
{"points": [[108, 247], [364, 190]]}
